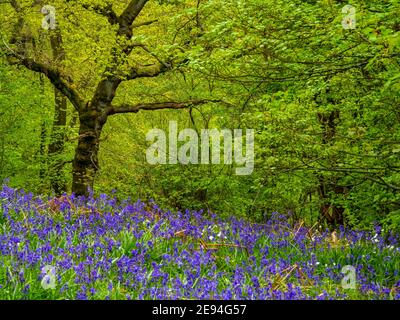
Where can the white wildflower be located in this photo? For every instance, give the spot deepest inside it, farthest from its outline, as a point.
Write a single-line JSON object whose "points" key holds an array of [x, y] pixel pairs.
{"points": [[49, 279]]}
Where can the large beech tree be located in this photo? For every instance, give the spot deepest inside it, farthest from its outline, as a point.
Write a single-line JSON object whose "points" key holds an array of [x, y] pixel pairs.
{"points": [[93, 102]]}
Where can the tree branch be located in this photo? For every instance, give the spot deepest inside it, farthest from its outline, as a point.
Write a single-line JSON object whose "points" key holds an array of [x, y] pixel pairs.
{"points": [[144, 47], [107, 87], [148, 71], [125, 108], [382, 182], [106, 11], [15, 4], [62, 83], [141, 24], [129, 15], [56, 78]]}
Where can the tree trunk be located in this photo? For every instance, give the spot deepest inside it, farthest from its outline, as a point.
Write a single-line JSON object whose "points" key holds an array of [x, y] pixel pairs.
{"points": [[330, 212], [85, 165], [56, 146]]}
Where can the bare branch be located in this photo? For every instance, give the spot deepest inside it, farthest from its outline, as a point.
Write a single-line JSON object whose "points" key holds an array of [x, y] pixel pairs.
{"points": [[125, 108], [382, 182], [144, 47], [146, 23]]}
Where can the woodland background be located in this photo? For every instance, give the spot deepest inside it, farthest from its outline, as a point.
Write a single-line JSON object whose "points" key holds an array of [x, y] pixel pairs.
{"points": [[323, 101]]}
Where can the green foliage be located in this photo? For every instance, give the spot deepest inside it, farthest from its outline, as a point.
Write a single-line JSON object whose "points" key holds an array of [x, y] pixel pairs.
{"points": [[323, 102]]}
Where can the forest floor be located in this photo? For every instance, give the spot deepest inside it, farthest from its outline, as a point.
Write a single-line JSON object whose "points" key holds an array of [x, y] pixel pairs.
{"points": [[100, 248]]}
